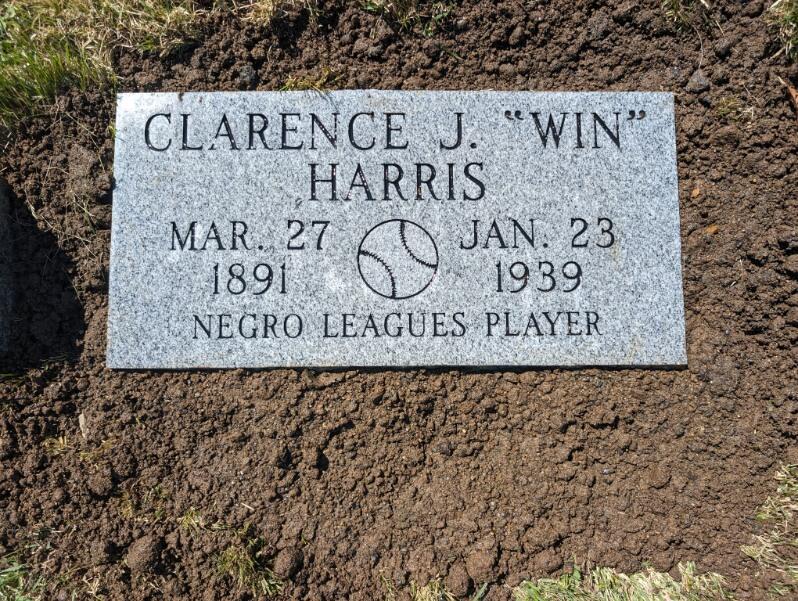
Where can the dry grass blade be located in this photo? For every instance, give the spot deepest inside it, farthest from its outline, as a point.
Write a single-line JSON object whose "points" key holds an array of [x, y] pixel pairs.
{"points": [[433, 591], [776, 548], [242, 563], [263, 11], [321, 82], [784, 14], [792, 92], [605, 584], [682, 12]]}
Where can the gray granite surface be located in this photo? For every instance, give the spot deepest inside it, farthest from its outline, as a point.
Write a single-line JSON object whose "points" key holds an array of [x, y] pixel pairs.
{"points": [[462, 229], [6, 289]]}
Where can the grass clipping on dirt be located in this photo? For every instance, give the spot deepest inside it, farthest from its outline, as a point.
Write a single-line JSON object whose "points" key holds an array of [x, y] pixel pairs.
{"points": [[15, 582], [777, 549], [784, 14], [408, 14], [243, 564], [605, 584], [599, 584]]}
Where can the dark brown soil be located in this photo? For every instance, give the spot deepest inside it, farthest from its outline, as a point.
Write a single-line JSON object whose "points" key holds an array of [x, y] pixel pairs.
{"points": [[343, 479]]}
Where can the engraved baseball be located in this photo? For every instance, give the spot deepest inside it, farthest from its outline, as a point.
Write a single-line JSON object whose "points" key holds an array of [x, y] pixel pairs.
{"points": [[397, 259]]}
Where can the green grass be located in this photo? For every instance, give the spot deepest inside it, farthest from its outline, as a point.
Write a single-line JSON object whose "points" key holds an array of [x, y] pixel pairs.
{"points": [[148, 506], [192, 520], [16, 584], [263, 11], [784, 14], [598, 584], [241, 562], [605, 584], [682, 12], [731, 108], [777, 549], [48, 45], [323, 81], [34, 68], [412, 15]]}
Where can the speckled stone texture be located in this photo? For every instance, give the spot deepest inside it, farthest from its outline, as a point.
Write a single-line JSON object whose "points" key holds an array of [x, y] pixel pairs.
{"points": [[462, 229], [6, 289]]}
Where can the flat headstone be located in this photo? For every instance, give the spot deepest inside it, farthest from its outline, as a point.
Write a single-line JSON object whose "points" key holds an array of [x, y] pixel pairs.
{"points": [[6, 289], [386, 228]]}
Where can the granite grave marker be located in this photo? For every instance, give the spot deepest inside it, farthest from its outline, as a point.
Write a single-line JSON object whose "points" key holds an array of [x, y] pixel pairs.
{"points": [[387, 228]]}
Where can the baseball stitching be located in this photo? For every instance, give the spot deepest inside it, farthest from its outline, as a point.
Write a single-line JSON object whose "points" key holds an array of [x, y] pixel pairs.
{"points": [[379, 260], [402, 225]]}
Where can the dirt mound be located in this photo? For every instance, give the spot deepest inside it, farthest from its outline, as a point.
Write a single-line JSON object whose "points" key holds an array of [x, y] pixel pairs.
{"points": [[140, 483]]}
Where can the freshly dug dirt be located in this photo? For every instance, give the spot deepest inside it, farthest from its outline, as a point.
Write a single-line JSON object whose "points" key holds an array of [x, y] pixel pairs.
{"points": [[341, 482]]}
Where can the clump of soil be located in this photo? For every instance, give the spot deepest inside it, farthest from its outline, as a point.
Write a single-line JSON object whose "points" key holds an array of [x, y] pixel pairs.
{"points": [[136, 482]]}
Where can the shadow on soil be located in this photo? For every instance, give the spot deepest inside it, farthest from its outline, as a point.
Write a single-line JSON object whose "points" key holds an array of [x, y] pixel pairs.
{"points": [[46, 316]]}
